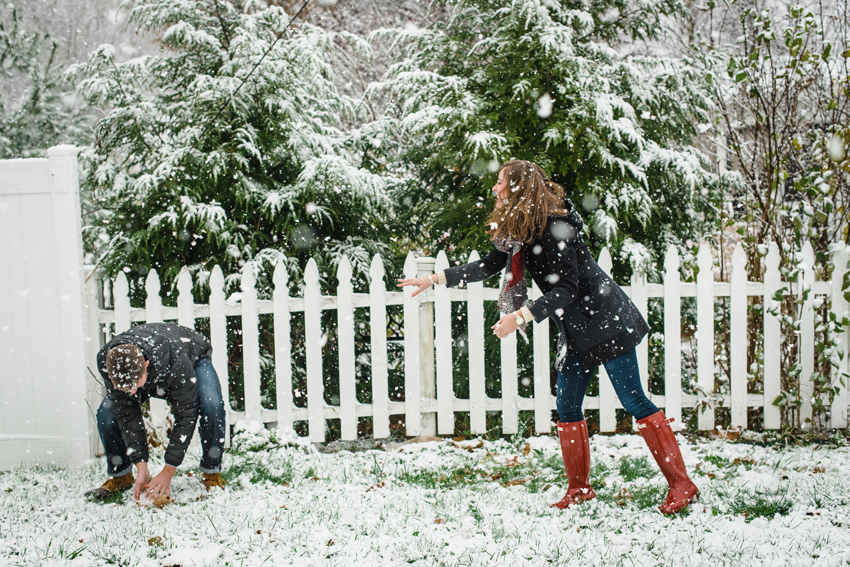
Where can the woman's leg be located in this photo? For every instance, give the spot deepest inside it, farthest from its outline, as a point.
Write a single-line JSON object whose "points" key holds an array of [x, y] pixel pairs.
{"points": [[572, 431], [625, 376], [572, 384], [212, 416], [655, 429]]}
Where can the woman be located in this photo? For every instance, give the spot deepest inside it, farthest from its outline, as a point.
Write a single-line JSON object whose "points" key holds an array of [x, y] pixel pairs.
{"points": [[533, 227]]}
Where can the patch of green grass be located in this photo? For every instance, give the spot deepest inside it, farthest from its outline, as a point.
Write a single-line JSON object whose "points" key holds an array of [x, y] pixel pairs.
{"points": [[716, 460], [114, 498], [649, 496], [598, 472], [443, 478], [280, 474], [762, 504], [632, 468], [743, 501]]}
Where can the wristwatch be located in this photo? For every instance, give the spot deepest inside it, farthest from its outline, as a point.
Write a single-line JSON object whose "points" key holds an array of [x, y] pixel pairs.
{"points": [[518, 317]]}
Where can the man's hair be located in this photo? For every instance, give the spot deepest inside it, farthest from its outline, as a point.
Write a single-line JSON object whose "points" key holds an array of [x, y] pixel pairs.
{"points": [[125, 364]]}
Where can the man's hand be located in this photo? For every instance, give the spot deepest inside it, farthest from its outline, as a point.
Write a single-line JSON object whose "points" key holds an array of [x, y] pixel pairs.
{"points": [[161, 483], [142, 478], [505, 326]]}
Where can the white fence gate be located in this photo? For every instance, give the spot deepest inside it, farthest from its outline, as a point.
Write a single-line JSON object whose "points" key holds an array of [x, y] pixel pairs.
{"points": [[430, 404], [44, 417]]}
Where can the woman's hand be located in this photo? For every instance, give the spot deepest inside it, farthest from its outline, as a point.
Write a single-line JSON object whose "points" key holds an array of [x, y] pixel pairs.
{"points": [[505, 326], [421, 283]]}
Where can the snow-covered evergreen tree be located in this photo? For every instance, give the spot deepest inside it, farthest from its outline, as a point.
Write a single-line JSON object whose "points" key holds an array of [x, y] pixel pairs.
{"points": [[35, 113], [199, 161], [542, 80]]}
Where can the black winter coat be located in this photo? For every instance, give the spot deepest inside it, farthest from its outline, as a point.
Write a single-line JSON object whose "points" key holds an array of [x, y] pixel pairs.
{"points": [[594, 316], [171, 351]]}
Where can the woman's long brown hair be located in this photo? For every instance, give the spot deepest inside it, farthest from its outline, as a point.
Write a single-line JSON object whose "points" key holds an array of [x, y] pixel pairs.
{"points": [[532, 199]]}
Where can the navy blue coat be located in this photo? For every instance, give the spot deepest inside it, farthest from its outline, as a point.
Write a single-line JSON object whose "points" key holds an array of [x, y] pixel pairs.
{"points": [[594, 316], [172, 352]]}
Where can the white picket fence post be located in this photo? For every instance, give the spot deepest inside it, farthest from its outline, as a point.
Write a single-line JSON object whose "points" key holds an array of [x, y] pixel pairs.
{"points": [[250, 345], [705, 332], [639, 295], [218, 340], [313, 345], [806, 351], [772, 339], [672, 338], [841, 309], [378, 336], [475, 343], [738, 339], [443, 344], [543, 399], [424, 331], [608, 401], [153, 314], [412, 348], [282, 345], [345, 332]]}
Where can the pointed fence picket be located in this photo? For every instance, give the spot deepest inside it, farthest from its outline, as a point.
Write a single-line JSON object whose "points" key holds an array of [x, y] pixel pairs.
{"points": [[378, 339], [345, 331], [443, 345], [772, 339], [807, 334], [738, 339], [543, 399], [218, 340], [475, 343], [251, 344], [608, 401], [313, 345], [705, 334], [418, 403], [639, 294], [153, 314], [672, 338], [412, 346], [841, 310], [283, 346]]}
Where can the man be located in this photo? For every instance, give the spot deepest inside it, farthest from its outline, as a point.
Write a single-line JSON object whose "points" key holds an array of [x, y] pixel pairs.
{"points": [[160, 360]]}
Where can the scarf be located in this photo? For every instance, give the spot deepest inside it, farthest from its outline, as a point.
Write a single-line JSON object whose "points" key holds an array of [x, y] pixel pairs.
{"points": [[513, 294]]}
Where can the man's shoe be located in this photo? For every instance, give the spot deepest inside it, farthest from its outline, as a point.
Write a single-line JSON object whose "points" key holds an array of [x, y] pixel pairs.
{"points": [[113, 485], [212, 480]]}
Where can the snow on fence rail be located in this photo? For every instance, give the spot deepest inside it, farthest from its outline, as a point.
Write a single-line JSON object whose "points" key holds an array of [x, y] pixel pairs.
{"points": [[428, 344]]}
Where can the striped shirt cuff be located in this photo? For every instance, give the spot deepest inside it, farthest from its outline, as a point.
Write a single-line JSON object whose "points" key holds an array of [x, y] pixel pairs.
{"points": [[526, 315], [441, 277]]}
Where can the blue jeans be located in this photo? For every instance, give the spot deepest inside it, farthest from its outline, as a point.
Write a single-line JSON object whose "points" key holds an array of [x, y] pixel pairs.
{"points": [[210, 426], [625, 376]]}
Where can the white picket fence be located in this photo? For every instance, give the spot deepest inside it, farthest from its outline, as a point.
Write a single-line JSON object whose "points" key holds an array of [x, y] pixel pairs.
{"points": [[430, 403]]}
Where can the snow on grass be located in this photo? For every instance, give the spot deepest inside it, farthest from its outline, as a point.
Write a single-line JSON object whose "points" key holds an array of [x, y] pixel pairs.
{"points": [[444, 503]]}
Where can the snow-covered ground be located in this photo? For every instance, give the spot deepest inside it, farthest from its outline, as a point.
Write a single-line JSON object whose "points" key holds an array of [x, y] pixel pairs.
{"points": [[445, 503]]}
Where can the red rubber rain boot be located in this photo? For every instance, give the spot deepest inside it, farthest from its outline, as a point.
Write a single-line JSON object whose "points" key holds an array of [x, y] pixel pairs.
{"points": [[662, 444], [575, 448]]}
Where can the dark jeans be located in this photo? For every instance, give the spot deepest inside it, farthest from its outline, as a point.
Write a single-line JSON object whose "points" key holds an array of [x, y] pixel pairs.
{"points": [[210, 426], [625, 376]]}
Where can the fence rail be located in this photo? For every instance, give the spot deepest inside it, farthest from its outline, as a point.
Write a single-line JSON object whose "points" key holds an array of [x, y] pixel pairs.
{"points": [[430, 404]]}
